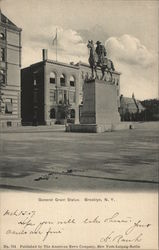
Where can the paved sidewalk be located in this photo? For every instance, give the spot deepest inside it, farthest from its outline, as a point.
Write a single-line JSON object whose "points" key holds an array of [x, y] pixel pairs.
{"points": [[58, 161], [30, 129]]}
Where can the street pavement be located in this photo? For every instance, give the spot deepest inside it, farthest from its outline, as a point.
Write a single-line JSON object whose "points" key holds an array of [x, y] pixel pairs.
{"points": [[40, 159]]}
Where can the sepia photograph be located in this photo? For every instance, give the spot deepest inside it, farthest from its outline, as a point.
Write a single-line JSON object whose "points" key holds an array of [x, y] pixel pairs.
{"points": [[79, 124]]}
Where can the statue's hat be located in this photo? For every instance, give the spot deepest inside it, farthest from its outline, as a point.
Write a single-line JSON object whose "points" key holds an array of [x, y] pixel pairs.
{"points": [[98, 42]]}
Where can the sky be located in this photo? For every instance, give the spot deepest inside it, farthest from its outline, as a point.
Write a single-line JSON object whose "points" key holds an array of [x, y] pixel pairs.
{"points": [[127, 28]]}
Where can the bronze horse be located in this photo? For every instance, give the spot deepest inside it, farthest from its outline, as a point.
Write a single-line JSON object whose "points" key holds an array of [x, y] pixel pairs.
{"points": [[105, 66]]}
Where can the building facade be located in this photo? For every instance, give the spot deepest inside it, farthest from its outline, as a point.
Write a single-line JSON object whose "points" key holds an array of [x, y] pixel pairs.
{"points": [[130, 108], [10, 64], [49, 87]]}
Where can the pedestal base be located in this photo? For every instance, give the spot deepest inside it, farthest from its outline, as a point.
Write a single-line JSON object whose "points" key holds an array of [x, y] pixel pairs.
{"points": [[98, 128], [100, 103]]}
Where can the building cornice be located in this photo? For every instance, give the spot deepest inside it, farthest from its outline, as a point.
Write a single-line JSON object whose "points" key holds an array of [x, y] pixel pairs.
{"points": [[11, 27], [74, 66], [62, 64]]}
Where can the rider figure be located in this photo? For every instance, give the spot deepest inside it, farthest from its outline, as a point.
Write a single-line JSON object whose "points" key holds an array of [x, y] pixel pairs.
{"points": [[101, 52]]}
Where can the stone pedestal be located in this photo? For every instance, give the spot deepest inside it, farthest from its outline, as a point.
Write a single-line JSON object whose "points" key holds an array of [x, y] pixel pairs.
{"points": [[100, 109], [100, 104]]}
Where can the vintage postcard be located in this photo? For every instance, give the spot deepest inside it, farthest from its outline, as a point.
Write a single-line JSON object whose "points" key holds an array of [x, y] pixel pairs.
{"points": [[79, 124]]}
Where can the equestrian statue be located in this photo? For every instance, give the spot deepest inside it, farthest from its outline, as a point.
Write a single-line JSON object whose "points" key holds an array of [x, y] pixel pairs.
{"points": [[97, 58]]}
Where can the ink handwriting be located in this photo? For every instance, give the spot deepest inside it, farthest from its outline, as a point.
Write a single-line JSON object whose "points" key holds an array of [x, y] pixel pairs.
{"points": [[29, 222]]}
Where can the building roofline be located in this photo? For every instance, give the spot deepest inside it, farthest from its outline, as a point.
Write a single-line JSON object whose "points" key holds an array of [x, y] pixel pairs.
{"points": [[34, 64], [52, 62], [74, 66], [62, 63], [9, 26], [7, 23]]}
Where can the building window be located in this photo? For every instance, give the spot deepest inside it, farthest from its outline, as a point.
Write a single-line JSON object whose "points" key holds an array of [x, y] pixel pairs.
{"points": [[8, 106], [53, 96], [2, 58], [60, 97], [2, 36], [72, 113], [52, 78], [62, 80], [72, 81], [2, 77], [52, 113], [35, 97], [35, 83], [65, 97], [72, 97], [9, 124]]}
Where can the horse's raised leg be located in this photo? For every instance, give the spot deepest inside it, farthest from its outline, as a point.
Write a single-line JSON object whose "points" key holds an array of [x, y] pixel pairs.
{"points": [[92, 72], [112, 66], [95, 69], [111, 76], [103, 73]]}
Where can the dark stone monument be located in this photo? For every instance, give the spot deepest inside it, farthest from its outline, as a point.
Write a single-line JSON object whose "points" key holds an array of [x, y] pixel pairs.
{"points": [[100, 106], [100, 97]]}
